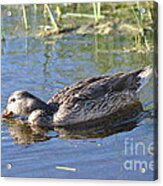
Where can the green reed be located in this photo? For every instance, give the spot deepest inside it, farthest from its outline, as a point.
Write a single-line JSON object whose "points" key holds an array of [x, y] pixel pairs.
{"points": [[50, 14], [97, 11], [25, 17], [136, 23], [139, 14]]}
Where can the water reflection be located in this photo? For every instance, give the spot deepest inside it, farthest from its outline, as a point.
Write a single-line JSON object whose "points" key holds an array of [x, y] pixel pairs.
{"points": [[94, 132], [43, 65], [24, 134]]}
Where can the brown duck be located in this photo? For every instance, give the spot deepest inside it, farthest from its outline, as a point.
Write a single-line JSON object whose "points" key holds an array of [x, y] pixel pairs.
{"points": [[89, 101]]}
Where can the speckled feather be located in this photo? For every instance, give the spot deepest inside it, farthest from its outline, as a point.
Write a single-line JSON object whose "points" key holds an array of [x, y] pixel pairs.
{"points": [[95, 97]]}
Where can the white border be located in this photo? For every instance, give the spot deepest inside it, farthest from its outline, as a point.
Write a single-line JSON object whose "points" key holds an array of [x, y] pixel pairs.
{"points": [[40, 182], [59, 1]]}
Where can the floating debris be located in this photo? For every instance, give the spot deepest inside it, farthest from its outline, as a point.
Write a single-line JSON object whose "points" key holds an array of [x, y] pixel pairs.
{"points": [[66, 168]]}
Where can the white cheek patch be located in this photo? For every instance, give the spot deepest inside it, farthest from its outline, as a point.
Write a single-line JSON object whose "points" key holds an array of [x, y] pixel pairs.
{"points": [[11, 107], [15, 107]]}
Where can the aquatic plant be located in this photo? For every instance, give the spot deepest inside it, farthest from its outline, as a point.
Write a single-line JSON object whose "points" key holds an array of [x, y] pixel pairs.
{"points": [[135, 19], [140, 38], [97, 11], [52, 19], [25, 17]]}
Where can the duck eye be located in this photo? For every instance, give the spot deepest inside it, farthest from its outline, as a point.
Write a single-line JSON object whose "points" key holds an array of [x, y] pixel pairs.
{"points": [[13, 100]]}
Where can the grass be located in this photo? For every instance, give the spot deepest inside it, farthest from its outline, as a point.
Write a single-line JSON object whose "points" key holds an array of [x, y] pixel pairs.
{"points": [[136, 19]]}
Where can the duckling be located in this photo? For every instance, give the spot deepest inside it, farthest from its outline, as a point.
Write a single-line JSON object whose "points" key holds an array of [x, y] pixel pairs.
{"points": [[84, 102]]}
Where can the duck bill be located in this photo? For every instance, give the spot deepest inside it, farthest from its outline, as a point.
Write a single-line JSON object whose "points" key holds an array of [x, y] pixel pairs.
{"points": [[6, 114]]}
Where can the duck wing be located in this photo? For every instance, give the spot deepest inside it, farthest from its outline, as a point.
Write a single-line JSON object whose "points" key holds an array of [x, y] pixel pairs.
{"points": [[122, 82], [99, 97], [108, 85], [72, 90]]}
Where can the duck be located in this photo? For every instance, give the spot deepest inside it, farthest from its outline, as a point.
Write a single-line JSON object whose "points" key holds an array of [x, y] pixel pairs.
{"points": [[88, 101]]}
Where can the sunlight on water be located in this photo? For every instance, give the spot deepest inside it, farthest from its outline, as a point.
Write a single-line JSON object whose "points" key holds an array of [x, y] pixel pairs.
{"points": [[43, 66]]}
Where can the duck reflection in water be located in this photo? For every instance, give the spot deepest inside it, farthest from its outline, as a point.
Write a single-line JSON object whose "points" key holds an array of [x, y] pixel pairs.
{"points": [[25, 134]]}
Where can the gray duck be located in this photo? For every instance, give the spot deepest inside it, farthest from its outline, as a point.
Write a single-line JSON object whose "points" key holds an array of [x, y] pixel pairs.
{"points": [[89, 101]]}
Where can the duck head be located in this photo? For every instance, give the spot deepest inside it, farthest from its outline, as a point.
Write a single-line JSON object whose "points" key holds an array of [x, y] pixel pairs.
{"points": [[23, 103]]}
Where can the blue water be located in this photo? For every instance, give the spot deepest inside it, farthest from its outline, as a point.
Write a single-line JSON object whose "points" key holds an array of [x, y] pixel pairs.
{"points": [[43, 66]]}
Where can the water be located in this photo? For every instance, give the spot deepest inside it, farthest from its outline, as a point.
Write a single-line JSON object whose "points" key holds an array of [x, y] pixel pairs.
{"points": [[45, 65]]}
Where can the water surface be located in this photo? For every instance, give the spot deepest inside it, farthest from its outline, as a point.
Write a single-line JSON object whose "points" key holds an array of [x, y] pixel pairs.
{"points": [[45, 65]]}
